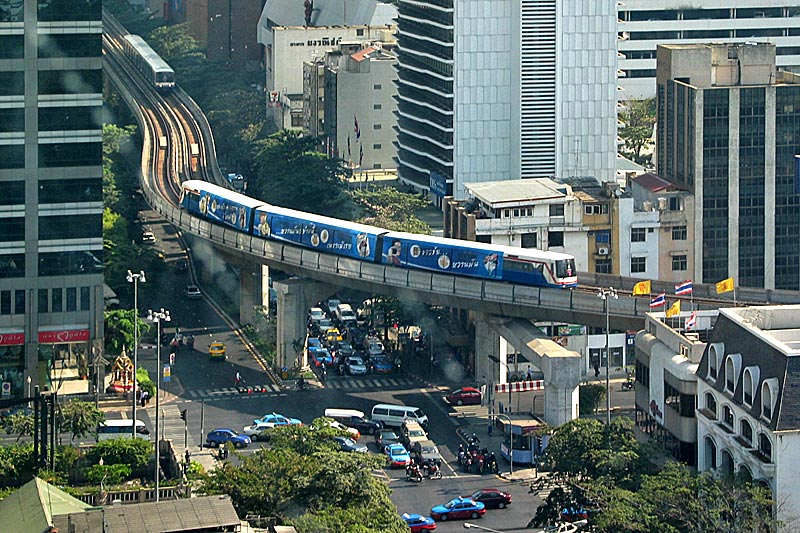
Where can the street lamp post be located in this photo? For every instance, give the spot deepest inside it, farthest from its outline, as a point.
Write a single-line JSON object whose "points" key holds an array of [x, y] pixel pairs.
{"points": [[135, 279], [605, 295], [158, 317], [469, 525], [510, 443]]}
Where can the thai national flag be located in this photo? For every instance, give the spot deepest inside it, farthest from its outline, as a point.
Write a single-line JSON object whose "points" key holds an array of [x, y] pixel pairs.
{"points": [[691, 322], [659, 300], [684, 287]]}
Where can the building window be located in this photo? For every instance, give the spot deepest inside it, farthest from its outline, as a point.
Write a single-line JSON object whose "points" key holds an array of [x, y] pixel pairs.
{"points": [[730, 375], [638, 234], [360, 32], [556, 210], [747, 386], [711, 404], [72, 299], [555, 238], [602, 265], [746, 432], [679, 233], [727, 417], [376, 166], [679, 263], [602, 237], [711, 453], [85, 304], [44, 302], [377, 106], [56, 301], [766, 401], [297, 121], [529, 240], [638, 265], [5, 302], [765, 446], [595, 209], [70, 154], [674, 203], [19, 302], [376, 146], [377, 86], [376, 126]]}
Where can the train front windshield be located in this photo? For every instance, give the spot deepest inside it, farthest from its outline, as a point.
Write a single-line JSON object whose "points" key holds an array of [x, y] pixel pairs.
{"points": [[565, 268]]}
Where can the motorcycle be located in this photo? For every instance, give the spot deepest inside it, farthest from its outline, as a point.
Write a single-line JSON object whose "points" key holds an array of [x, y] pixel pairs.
{"points": [[301, 384], [627, 385], [432, 470], [413, 473]]}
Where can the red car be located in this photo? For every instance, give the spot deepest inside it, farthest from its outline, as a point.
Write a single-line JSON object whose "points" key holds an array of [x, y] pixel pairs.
{"points": [[491, 498], [464, 396]]}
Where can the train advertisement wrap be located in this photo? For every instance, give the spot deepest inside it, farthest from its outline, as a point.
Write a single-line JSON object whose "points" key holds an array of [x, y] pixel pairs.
{"points": [[355, 241], [233, 212], [440, 257]]}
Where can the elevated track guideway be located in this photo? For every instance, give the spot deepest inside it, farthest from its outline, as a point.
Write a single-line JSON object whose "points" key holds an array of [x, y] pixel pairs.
{"points": [[178, 145]]}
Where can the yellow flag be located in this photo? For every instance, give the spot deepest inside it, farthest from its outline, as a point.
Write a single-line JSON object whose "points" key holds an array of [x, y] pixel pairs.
{"points": [[726, 285], [675, 309], [643, 287]]}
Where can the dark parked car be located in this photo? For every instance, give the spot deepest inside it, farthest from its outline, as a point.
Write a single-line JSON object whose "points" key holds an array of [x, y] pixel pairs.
{"points": [[464, 396], [349, 445], [366, 427], [425, 450], [385, 437], [491, 498], [181, 266]]}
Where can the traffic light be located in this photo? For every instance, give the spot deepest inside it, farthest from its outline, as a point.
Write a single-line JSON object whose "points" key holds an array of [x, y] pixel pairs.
{"points": [[183, 414]]}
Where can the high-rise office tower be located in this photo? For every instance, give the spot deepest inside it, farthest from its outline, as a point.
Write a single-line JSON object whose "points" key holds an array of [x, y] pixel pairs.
{"points": [[51, 178], [507, 89], [728, 130]]}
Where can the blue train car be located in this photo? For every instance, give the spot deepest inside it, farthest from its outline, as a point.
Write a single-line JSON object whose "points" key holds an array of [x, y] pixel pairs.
{"points": [[219, 204], [450, 256], [329, 235]]}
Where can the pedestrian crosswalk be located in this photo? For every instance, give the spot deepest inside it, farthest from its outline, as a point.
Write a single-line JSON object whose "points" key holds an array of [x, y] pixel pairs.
{"points": [[171, 426], [271, 388], [370, 382]]}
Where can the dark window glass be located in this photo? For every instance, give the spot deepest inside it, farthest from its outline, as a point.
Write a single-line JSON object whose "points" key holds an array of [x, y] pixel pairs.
{"points": [[12, 156], [70, 81], [529, 240], [5, 302], [85, 298], [12, 266], [19, 302], [638, 235], [12, 229], [72, 299], [67, 191], [603, 266], [44, 301], [58, 10], [70, 155], [69, 45], [70, 227], [679, 263], [12, 120], [12, 46], [12, 11], [13, 192], [555, 238], [12, 83], [64, 263], [679, 233], [638, 265], [57, 300], [556, 210], [70, 118]]}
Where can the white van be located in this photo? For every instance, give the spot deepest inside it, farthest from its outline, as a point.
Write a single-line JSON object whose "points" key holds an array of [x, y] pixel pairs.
{"points": [[354, 419], [393, 415], [345, 312], [121, 429]]}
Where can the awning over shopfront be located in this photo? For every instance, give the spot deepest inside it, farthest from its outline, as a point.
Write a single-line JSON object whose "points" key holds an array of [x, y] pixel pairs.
{"points": [[63, 334], [11, 337]]}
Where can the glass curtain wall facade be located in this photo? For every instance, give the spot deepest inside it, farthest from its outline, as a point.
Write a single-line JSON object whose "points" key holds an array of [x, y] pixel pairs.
{"points": [[51, 243]]}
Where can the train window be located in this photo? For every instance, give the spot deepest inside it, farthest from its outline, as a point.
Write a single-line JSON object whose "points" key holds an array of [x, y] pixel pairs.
{"points": [[70, 81], [565, 268]]}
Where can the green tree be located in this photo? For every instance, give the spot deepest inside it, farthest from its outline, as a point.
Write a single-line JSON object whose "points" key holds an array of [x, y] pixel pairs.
{"points": [[238, 118], [19, 424], [590, 397], [16, 464], [638, 119], [80, 418], [108, 474], [291, 173], [391, 209], [134, 453], [119, 329]]}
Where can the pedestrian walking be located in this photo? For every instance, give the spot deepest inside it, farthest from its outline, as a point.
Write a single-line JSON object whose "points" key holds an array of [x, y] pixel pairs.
{"points": [[238, 380], [145, 397], [530, 374]]}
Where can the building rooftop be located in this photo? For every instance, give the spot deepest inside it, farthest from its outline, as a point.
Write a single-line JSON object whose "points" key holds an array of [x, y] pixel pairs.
{"points": [[517, 192], [778, 325], [35, 506], [330, 13]]}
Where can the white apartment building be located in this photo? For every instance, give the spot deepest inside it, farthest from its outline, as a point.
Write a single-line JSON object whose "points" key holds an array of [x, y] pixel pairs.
{"points": [[644, 24], [289, 42], [503, 90], [747, 421]]}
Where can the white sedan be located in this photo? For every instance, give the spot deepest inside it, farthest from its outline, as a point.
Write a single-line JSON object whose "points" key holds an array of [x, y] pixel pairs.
{"points": [[353, 432], [355, 366], [253, 431]]}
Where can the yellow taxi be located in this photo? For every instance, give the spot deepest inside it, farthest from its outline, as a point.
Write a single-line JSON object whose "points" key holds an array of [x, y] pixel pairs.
{"points": [[217, 350], [333, 335]]}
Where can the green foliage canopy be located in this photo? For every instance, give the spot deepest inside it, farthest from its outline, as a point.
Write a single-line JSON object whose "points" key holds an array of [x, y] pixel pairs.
{"points": [[638, 120], [389, 208], [80, 418]]}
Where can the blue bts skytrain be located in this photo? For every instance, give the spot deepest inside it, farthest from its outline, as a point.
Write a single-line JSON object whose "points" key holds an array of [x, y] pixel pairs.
{"points": [[525, 266]]}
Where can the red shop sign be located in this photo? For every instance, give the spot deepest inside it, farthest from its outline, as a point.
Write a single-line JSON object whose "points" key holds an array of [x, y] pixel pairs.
{"points": [[66, 335], [12, 339]]}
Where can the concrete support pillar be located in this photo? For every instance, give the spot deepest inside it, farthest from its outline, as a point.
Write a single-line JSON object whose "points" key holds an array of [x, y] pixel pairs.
{"points": [[295, 297], [487, 342], [562, 374], [253, 291]]}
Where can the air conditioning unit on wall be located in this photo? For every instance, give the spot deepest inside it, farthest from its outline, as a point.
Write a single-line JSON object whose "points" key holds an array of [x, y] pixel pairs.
{"points": [[602, 250]]}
